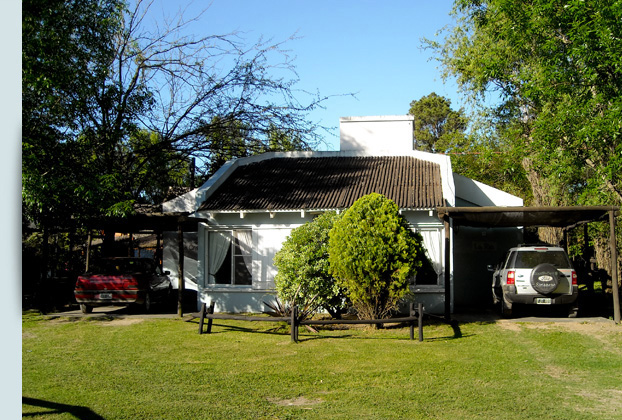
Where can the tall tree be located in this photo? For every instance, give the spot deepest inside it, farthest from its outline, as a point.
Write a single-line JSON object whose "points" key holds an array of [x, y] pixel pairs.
{"points": [[554, 70], [66, 50], [108, 97], [437, 126], [479, 154]]}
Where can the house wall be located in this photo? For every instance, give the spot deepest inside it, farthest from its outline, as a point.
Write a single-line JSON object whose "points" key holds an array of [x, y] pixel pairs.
{"points": [[471, 193], [170, 259], [474, 249], [268, 235], [183, 203]]}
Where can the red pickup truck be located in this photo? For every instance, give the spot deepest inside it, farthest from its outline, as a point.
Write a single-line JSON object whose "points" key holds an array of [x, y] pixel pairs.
{"points": [[122, 281]]}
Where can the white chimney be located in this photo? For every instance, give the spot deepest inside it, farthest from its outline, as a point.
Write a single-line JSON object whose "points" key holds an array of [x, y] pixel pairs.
{"points": [[374, 135]]}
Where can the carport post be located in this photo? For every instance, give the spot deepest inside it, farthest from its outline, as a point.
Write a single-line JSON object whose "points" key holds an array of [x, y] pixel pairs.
{"points": [[180, 277], [614, 267], [88, 249], [447, 271]]}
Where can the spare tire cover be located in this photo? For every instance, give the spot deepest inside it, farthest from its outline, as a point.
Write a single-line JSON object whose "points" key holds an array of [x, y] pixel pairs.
{"points": [[545, 278]]}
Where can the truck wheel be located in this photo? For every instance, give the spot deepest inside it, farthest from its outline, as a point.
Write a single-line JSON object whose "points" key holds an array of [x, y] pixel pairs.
{"points": [[86, 309], [496, 292], [506, 308], [147, 304]]}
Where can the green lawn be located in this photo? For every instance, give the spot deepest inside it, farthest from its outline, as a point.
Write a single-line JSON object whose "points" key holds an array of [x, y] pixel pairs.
{"points": [[163, 369]]}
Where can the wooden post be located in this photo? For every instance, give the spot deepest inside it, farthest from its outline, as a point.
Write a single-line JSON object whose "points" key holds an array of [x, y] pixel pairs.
{"points": [[89, 242], [158, 251], [294, 324], [412, 323], [202, 318], [180, 274], [420, 311], [614, 267], [447, 272], [210, 320]]}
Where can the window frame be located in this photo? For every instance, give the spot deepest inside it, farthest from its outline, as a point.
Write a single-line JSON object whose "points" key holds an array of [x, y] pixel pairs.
{"points": [[233, 256], [440, 276]]}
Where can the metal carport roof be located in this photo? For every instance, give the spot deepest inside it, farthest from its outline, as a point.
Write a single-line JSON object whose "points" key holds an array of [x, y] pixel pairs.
{"points": [[525, 216]]}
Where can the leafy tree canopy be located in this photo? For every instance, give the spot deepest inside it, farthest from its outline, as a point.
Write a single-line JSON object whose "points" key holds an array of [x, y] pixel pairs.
{"points": [[556, 69], [553, 72], [303, 276], [114, 108], [373, 253], [437, 126]]}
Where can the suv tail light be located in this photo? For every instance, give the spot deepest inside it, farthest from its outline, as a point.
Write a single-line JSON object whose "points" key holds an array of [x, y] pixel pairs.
{"points": [[574, 278], [511, 278]]}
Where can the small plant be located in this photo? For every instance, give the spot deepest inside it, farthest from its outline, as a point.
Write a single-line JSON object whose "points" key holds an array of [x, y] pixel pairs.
{"points": [[280, 309]]}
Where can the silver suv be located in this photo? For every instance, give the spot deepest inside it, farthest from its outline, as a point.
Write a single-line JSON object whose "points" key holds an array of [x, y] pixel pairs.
{"points": [[535, 275]]}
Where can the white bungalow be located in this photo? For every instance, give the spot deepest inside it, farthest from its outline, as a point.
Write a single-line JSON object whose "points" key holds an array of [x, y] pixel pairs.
{"points": [[252, 204]]}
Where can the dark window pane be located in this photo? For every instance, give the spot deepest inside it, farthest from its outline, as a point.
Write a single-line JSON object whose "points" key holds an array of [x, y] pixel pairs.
{"points": [[530, 259], [223, 275], [242, 275]]}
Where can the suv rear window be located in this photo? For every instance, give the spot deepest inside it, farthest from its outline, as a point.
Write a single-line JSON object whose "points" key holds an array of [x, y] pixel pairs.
{"points": [[530, 259]]}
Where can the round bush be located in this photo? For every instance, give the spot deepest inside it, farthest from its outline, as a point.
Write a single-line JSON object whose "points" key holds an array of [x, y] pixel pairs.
{"points": [[373, 252]]}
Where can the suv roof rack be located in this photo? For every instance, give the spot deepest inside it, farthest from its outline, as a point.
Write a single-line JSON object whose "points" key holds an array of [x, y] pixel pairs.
{"points": [[540, 244]]}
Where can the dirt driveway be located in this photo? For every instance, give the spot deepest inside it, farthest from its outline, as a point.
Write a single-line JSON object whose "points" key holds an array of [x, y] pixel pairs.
{"points": [[118, 312]]}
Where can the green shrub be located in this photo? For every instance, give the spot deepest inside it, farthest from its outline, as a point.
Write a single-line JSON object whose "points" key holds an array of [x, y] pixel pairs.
{"points": [[303, 276], [373, 253]]}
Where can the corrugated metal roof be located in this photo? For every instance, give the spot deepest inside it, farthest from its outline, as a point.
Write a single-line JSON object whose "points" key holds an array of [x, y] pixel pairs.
{"points": [[305, 183]]}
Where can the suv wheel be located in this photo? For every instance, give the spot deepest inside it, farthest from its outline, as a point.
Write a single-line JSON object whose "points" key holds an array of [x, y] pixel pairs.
{"points": [[545, 278], [506, 307]]}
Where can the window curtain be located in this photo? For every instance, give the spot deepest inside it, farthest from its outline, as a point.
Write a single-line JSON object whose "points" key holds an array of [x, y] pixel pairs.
{"points": [[433, 245], [245, 241], [217, 248]]}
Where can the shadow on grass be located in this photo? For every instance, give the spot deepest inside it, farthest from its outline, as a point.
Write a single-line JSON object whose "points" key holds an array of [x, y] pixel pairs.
{"points": [[284, 331], [281, 331], [81, 413]]}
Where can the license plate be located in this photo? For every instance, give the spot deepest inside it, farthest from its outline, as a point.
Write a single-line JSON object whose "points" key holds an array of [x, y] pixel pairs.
{"points": [[105, 295], [543, 301]]}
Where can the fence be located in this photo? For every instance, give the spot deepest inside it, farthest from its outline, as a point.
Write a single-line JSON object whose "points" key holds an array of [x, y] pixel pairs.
{"points": [[294, 321]]}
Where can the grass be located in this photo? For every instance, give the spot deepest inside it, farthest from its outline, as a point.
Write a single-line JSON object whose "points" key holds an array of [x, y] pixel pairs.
{"points": [[163, 369]]}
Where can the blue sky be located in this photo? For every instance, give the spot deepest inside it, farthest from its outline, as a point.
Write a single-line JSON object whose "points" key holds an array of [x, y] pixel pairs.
{"points": [[369, 48]]}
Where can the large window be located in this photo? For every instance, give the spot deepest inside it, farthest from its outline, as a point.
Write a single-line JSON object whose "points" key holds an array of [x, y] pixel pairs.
{"points": [[229, 257]]}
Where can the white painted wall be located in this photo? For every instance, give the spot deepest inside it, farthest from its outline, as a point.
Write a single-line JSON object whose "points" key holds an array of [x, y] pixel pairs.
{"points": [[473, 193], [269, 234], [373, 135]]}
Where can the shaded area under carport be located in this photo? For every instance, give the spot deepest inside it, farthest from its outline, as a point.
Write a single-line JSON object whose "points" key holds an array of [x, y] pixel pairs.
{"points": [[155, 223], [565, 217]]}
